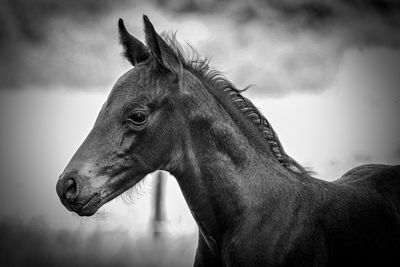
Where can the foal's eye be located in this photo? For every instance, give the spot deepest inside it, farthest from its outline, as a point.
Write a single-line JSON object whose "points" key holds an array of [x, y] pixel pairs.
{"points": [[137, 118]]}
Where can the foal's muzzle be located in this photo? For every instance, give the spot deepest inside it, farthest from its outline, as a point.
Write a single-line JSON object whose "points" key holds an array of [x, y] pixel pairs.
{"points": [[75, 194]]}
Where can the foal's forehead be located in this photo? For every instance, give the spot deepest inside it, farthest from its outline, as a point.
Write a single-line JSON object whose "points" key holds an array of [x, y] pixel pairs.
{"points": [[134, 80], [134, 83]]}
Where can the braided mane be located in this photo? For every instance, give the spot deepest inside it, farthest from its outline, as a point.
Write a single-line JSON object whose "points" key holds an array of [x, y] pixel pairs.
{"points": [[199, 66]]}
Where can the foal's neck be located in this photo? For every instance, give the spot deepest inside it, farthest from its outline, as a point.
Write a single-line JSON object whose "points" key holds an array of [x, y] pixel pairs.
{"points": [[224, 178]]}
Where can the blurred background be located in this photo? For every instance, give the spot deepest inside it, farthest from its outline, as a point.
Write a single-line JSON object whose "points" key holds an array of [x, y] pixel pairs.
{"points": [[325, 73]]}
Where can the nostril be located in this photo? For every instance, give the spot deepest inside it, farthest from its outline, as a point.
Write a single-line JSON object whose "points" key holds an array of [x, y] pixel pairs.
{"points": [[70, 190]]}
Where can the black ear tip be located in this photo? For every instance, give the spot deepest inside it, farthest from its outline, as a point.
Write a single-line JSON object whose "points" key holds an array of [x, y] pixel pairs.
{"points": [[121, 23], [121, 27], [146, 21]]}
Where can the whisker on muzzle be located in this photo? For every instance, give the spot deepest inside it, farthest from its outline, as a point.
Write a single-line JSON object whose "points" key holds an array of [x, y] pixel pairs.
{"points": [[135, 192]]}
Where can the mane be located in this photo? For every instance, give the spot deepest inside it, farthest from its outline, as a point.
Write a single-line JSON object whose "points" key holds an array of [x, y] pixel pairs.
{"points": [[200, 67]]}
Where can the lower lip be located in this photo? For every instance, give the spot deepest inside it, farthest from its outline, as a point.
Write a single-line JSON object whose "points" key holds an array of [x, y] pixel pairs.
{"points": [[90, 207], [98, 199]]}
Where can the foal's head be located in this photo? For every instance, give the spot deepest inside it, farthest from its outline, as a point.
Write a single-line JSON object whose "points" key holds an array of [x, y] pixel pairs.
{"points": [[137, 130], [155, 114]]}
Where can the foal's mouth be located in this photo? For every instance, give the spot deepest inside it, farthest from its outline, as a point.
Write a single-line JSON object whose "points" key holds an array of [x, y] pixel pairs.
{"points": [[102, 196], [91, 206]]}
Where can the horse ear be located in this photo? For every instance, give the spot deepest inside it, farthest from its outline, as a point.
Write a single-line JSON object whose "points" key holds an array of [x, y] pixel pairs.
{"points": [[134, 50], [161, 51]]}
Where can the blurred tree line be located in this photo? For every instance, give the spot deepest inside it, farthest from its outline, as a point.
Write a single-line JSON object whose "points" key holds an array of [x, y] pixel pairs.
{"points": [[23, 20], [24, 27]]}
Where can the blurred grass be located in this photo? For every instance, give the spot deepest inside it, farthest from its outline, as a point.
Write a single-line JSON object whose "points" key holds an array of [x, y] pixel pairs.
{"points": [[35, 244]]}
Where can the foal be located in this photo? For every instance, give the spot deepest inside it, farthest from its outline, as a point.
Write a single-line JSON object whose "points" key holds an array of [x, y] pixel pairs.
{"points": [[253, 204]]}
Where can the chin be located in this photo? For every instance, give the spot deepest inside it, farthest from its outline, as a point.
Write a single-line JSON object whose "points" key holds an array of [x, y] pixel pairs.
{"points": [[90, 207]]}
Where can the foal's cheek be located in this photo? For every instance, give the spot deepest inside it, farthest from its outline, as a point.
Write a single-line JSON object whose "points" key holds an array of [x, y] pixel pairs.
{"points": [[127, 142]]}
